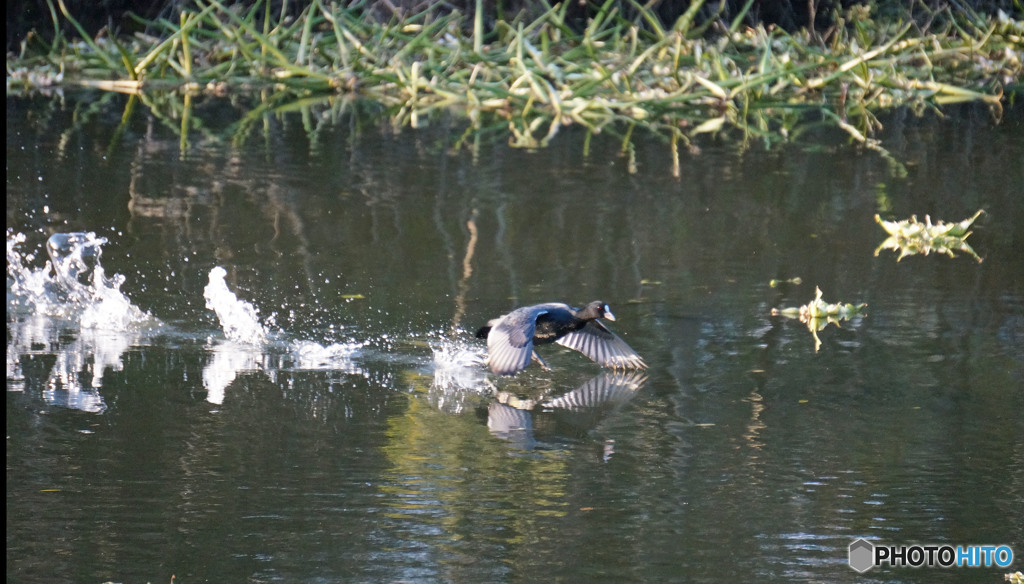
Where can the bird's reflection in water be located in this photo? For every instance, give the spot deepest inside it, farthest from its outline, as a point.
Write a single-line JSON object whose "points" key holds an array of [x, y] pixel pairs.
{"points": [[579, 411]]}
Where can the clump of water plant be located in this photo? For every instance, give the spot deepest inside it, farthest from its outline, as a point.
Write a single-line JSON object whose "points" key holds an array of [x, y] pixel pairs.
{"points": [[912, 237], [796, 281], [817, 314], [528, 77]]}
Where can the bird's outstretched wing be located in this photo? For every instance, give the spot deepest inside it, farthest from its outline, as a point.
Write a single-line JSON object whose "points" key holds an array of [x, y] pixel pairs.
{"points": [[510, 341], [602, 345]]}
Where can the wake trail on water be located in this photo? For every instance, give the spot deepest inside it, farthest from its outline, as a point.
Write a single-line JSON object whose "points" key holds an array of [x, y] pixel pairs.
{"points": [[69, 306]]}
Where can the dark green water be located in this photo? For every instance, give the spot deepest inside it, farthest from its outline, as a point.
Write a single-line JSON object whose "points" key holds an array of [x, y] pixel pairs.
{"points": [[744, 455]]}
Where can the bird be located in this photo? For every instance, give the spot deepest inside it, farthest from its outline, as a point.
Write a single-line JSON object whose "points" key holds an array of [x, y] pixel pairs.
{"points": [[511, 337]]}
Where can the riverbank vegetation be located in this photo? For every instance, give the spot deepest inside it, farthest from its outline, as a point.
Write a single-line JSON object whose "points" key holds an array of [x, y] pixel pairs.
{"points": [[623, 68]]}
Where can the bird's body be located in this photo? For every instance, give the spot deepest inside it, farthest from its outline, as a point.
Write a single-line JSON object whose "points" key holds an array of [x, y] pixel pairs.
{"points": [[510, 338]]}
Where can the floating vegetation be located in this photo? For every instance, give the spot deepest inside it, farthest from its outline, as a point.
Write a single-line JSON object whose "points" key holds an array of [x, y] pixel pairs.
{"points": [[527, 79], [911, 237], [776, 283], [817, 314]]}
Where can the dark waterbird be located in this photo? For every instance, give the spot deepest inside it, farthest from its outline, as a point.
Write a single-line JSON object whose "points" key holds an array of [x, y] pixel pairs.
{"points": [[510, 338]]}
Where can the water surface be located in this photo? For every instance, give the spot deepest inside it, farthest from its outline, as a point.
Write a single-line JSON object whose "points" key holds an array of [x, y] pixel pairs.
{"points": [[361, 442]]}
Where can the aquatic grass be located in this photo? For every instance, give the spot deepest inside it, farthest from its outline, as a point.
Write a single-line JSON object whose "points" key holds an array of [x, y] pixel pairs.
{"points": [[536, 76], [817, 314], [911, 237]]}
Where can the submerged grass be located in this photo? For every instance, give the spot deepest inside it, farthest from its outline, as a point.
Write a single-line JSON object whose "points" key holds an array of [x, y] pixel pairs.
{"points": [[533, 77]]}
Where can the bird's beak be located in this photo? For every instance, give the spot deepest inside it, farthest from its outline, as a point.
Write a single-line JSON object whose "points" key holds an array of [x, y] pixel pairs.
{"points": [[608, 313]]}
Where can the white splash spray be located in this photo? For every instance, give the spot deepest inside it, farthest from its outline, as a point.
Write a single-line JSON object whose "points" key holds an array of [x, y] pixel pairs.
{"points": [[71, 309], [238, 318]]}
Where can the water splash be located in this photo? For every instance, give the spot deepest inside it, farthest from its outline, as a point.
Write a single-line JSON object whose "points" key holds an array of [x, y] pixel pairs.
{"points": [[231, 358], [249, 348], [26, 287], [238, 318], [72, 285], [460, 380], [458, 365], [314, 356], [68, 308]]}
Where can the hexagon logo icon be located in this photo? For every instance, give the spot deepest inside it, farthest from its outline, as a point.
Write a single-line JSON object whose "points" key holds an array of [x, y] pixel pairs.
{"points": [[862, 554]]}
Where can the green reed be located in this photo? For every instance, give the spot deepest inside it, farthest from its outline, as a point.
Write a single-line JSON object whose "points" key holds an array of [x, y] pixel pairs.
{"points": [[537, 76]]}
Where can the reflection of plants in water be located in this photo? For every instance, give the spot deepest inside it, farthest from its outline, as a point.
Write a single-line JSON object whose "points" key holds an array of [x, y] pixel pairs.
{"points": [[817, 314], [911, 237]]}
